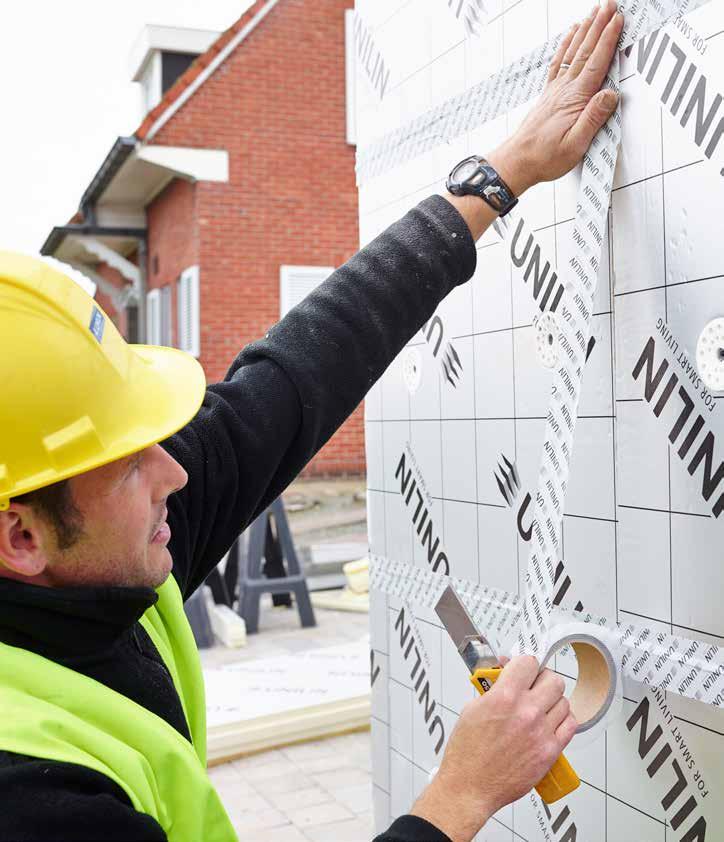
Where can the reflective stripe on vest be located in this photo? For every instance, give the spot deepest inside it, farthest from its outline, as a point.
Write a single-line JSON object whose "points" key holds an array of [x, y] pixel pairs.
{"points": [[52, 712]]}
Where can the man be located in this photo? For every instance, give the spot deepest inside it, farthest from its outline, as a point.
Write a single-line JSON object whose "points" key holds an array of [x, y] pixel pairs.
{"points": [[123, 481]]}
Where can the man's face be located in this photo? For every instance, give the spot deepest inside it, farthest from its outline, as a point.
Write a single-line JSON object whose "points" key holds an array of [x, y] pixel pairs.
{"points": [[125, 536]]}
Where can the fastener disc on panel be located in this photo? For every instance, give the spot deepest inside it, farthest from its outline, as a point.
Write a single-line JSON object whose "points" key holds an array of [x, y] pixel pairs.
{"points": [[412, 369], [546, 338], [710, 355]]}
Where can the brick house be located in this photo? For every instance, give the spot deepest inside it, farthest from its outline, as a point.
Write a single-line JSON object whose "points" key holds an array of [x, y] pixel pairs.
{"points": [[236, 194]]}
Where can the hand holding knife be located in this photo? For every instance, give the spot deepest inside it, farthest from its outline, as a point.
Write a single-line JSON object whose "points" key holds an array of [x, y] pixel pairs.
{"points": [[485, 669]]}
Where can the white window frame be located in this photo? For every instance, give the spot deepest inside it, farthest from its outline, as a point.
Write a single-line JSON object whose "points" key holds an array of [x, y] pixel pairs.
{"points": [[189, 339], [296, 282], [350, 67], [165, 316], [151, 85], [153, 317]]}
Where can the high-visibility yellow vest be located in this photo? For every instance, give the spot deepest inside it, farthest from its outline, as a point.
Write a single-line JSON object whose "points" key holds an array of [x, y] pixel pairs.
{"points": [[52, 712]]}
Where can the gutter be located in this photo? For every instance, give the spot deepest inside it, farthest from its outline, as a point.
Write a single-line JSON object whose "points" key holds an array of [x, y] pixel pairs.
{"points": [[115, 159], [60, 232]]}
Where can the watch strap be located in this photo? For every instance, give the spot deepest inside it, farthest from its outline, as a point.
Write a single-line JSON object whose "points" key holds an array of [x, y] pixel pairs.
{"points": [[485, 182]]}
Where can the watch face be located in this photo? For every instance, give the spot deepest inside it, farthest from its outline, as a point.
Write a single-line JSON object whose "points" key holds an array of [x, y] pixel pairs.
{"points": [[465, 170]]}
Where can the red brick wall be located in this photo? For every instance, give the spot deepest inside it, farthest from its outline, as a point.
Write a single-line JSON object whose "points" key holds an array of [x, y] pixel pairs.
{"points": [[277, 105], [173, 242]]}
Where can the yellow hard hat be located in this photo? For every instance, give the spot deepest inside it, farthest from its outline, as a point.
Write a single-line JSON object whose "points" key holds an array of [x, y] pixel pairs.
{"points": [[74, 394]]}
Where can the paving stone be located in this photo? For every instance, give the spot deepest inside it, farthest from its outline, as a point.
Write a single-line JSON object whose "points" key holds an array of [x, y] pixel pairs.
{"points": [[238, 800], [226, 772], [255, 774], [296, 799], [353, 830], [280, 784], [319, 814], [288, 833], [355, 798], [341, 779], [258, 820], [327, 763], [254, 761]]}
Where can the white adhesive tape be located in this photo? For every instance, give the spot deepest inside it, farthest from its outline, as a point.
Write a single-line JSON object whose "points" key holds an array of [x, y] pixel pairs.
{"points": [[597, 696], [500, 93], [574, 327], [710, 355], [689, 668]]}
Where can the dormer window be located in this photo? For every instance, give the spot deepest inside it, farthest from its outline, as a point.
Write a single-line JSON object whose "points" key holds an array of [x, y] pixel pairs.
{"points": [[161, 54]]}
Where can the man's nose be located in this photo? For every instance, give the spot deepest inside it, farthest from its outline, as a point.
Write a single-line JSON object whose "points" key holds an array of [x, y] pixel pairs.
{"points": [[174, 476]]}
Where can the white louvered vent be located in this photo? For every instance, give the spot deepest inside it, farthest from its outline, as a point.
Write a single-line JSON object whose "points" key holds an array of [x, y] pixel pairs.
{"points": [[188, 311], [296, 282]]}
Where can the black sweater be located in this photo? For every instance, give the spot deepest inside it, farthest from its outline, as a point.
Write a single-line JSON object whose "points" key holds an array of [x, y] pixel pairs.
{"points": [[281, 400]]}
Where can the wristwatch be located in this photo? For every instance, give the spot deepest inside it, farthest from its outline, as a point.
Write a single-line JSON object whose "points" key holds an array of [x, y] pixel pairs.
{"points": [[474, 176]]}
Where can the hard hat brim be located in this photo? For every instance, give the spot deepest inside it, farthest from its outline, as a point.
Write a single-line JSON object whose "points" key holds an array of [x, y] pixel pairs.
{"points": [[163, 390], [170, 389]]}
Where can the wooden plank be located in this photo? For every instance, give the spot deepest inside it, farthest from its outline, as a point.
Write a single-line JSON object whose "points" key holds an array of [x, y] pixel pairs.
{"points": [[227, 742]]}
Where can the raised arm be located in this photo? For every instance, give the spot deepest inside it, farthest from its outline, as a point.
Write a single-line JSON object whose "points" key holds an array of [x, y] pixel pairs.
{"points": [[285, 395]]}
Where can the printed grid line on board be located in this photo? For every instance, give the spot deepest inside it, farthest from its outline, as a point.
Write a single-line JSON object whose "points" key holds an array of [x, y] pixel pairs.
{"points": [[385, 419]]}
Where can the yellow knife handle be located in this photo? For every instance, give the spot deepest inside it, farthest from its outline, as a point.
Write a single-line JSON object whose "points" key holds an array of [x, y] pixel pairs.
{"points": [[562, 778]]}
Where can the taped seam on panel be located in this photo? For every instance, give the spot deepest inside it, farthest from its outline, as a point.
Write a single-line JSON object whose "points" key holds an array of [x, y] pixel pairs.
{"points": [[510, 87], [689, 668]]}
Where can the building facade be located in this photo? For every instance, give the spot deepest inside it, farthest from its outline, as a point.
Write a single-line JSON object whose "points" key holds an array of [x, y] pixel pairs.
{"points": [[234, 197]]}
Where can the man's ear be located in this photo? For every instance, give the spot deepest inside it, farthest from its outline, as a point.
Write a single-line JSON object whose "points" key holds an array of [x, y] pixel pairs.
{"points": [[22, 540]]}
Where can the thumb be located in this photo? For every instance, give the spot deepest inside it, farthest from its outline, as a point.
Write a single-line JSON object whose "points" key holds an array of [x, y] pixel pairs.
{"points": [[599, 108]]}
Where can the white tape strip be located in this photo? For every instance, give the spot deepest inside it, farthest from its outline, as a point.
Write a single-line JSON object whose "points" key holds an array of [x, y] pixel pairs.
{"points": [[574, 327], [515, 84], [679, 665]]}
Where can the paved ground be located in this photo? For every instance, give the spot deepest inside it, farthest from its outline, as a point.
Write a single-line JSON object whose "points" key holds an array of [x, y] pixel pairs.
{"points": [[280, 633], [314, 792], [318, 791]]}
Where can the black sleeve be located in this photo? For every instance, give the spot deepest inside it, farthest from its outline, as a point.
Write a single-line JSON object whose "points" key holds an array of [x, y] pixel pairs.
{"points": [[284, 396], [49, 801], [412, 829]]}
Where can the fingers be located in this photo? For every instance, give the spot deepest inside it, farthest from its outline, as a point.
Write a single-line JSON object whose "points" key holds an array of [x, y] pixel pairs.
{"points": [[598, 64], [519, 674], [561, 52], [548, 690], [566, 730], [580, 35], [585, 51], [598, 109], [558, 714]]}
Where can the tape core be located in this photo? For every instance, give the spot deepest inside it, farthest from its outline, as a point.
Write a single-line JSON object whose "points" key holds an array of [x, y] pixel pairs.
{"points": [[595, 686]]}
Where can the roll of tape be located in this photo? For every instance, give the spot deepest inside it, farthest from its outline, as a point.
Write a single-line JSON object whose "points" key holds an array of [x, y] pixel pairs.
{"points": [[598, 690], [710, 355]]}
